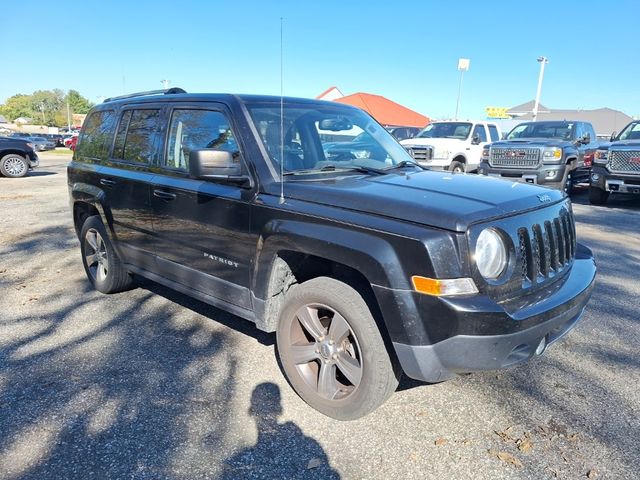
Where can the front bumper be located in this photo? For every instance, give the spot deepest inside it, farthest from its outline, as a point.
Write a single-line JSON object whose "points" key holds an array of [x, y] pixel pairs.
{"points": [[545, 174], [466, 334], [34, 161], [612, 182]]}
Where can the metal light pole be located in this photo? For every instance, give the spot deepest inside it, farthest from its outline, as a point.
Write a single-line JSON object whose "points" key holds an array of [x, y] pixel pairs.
{"points": [[68, 115], [165, 84], [463, 66], [543, 61]]}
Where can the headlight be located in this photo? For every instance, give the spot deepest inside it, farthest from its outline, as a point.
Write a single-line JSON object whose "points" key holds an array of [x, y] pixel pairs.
{"points": [[485, 154], [491, 254], [440, 153], [361, 153], [30, 145], [554, 153], [601, 156]]}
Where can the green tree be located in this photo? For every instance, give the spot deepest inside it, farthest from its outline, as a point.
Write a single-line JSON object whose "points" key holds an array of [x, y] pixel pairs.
{"points": [[17, 106], [48, 107], [77, 103]]}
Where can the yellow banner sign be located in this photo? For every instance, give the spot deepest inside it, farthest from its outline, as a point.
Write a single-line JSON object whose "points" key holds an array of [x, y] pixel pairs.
{"points": [[497, 112]]}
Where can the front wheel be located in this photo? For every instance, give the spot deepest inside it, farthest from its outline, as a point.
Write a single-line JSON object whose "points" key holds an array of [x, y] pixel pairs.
{"points": [[13, 166], [101, 263], [598, 196], [456, 167], [567, 182], [332, 351]]}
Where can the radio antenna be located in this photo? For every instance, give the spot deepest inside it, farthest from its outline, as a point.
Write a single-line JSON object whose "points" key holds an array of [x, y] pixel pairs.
{"points": [[281, 118]]}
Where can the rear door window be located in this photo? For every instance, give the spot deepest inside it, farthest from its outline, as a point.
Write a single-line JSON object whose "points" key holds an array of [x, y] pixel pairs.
{"points": [[97, 134], [481, 132], [137, 138], [493, 133]]}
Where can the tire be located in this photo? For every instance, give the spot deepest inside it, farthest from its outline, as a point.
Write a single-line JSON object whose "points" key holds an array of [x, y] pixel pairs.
{"points": [[101, 263], [326, 329], [456, 167], [598, 196], [14, 166], [567, 182]]}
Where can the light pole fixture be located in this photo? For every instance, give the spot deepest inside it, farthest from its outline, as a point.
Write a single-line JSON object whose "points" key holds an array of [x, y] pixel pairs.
{"points": [[165, 84], [542, 61], [463, 66]]}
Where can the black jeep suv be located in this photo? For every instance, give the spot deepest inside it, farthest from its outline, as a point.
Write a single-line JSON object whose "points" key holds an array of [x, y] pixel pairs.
{"points": [[551, 153], [17, 157], [365, 267], [616, 166]]}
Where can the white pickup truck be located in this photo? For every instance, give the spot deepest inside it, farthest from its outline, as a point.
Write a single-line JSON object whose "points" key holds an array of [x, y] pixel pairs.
{"points": [[452, 145]]}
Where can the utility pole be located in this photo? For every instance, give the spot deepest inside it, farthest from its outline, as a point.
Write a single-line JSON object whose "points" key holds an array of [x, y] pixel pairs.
{"points": [[44, 121], [543, 61], [463, 66], [68, 115]]}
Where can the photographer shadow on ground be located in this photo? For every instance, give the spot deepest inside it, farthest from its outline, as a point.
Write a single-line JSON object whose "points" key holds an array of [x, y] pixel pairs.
{"points": [[282, 450]]}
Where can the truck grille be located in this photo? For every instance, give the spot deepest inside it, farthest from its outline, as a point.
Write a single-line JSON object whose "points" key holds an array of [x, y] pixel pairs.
{"points": [[546, 249], [624, 161], [514, 157], [421, 154]]}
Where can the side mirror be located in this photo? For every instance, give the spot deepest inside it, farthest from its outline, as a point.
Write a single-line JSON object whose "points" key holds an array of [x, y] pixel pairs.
{"points": [[613, 136], [585, 139], [209, 164], [475, 140]]}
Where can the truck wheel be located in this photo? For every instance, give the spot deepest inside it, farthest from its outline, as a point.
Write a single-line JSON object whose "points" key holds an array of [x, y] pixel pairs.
{"points": [[598, 196], [13, 166], [567, 182], [332, 351], [456, 167], [101, 263]]}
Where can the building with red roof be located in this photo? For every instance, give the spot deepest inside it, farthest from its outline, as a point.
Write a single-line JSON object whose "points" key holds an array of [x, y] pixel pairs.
{"points": [[385, 111]]}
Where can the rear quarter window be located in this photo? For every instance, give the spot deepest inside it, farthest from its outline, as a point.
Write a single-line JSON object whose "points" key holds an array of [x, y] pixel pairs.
{"points": [[97, 134]]}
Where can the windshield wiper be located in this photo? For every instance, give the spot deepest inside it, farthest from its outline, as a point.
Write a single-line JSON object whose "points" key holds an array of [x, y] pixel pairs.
{"points": [[333, 168], [403, 164]]}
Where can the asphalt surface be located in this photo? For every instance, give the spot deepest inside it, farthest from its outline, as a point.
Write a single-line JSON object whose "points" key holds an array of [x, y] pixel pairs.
{"points": [[151, 384]]}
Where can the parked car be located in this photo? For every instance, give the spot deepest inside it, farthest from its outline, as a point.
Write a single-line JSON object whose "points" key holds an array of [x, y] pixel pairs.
{"points": [[364, 268], [452, 145], [549, 153], [402, 133], [39, 143], [55, 138], [616, 166], [73, 142], [17, 157], [68, 139]]}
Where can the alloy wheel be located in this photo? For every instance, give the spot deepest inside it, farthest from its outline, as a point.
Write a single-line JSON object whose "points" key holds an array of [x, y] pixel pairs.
{"points": [[325, 351], [96, 256], [15, 166]]}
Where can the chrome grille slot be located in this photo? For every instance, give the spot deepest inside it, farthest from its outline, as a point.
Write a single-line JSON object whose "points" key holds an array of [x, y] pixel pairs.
{"points": [[514, 157], [421, 154], [624, 161]]}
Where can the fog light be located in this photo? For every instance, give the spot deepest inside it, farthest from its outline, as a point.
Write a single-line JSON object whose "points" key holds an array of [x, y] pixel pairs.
{"points": [[541, 346], [551, 173], [595, 177]]}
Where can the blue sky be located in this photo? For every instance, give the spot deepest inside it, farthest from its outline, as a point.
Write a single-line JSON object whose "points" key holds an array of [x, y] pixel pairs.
{"points": [[406, 51]]}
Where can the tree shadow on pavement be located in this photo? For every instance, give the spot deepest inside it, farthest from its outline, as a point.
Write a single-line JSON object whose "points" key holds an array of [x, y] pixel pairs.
{"points": [[282, 450]]}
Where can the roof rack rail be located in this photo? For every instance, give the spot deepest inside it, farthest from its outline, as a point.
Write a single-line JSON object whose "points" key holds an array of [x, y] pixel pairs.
{"points": [[167, 91]]}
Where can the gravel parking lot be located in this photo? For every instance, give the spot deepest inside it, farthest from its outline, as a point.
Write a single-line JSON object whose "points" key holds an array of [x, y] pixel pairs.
{"points": [[152, 384]]}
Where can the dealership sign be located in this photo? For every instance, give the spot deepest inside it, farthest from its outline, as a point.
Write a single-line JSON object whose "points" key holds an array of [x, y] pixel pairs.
{"points": [[497, 112]]}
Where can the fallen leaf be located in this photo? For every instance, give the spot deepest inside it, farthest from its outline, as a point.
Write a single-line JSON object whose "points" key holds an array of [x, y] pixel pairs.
{"points": [[592, 473], [314, 463], [413, 456], [524, 445], [466, 441], [421, 413], [573, 437], [508, 458], [505, 435], [440, 441]]}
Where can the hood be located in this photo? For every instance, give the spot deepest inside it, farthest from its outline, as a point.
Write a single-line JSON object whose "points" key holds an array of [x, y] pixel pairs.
{"points": [[436, 199], [620, 143], [445, 143], [532, 142]]}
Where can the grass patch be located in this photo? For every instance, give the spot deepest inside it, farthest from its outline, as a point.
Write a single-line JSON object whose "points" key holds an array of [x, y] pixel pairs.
{"points": [[57, 151]]}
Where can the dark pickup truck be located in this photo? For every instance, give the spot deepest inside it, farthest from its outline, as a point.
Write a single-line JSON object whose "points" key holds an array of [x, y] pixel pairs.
{"points": [[17, 157], [557, 154], [616, 166], [365, 268]]}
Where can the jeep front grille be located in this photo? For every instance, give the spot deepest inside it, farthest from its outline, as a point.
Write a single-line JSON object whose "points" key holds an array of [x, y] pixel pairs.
{"points": [[420, 153], [624, 161], [546, 249], [514, 157]]}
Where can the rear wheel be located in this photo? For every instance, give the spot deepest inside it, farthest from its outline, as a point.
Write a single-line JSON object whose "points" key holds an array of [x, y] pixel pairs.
{"points": [[598, 196], [332, 351], [13, 166], [101, 263]]}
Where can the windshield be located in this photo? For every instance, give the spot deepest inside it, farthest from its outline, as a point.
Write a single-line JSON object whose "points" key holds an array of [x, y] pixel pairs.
{"points": [[559, 130], [630, 132], [459, 130], [325, 138]]}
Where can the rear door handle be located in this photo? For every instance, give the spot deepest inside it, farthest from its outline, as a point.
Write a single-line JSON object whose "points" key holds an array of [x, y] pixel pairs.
{"points": [[107, 183], [164, 195]]}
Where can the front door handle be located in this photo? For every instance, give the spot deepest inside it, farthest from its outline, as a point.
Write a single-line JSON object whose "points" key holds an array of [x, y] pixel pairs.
{"points": [[164, 195], [107, 183]]}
